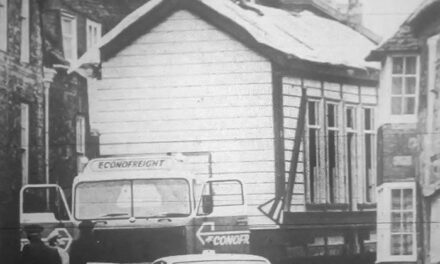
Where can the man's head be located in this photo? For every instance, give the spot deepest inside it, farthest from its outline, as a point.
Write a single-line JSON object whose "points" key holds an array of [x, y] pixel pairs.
{"points": [[33, 232]]}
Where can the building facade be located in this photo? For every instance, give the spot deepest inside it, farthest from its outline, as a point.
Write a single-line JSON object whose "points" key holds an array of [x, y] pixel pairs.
{"points": [[44, 116], [297, 127], [71, 28], [22, 109], [408, 207]]}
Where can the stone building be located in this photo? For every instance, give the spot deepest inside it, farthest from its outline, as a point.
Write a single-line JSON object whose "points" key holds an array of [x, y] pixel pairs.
{"points": [[22, 128], [43, 109], [408, 171], [70, 29]]}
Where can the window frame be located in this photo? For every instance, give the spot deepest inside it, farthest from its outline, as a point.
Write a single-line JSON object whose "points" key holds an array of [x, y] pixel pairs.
{"points": [[338, 128], [90, 42], [372, 133], [25, 31], [73, 36], [24, 141], [313, 186], [403, 75], [4, 25], [80, 134], [352, 181], [385, 222], [350, 191]]}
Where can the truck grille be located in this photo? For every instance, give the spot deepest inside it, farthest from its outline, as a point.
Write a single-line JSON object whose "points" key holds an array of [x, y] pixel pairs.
{"points": [[139, 245]]}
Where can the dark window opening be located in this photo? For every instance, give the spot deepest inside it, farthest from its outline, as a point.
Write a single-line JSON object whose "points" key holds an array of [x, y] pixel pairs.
{"points": [[333, 165], [313, 162], [368, 168]]}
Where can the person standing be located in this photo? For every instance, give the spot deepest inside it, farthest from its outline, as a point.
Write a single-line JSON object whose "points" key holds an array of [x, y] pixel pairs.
{"points": [[36, 252], [84, 248]]}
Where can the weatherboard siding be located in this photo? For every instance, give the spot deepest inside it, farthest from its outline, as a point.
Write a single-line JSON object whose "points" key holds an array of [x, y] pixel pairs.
{"points": [[187, 87], [292, 92]]}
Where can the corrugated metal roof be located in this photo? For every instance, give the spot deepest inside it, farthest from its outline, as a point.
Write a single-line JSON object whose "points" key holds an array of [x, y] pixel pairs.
{"points": [[304, 35]]}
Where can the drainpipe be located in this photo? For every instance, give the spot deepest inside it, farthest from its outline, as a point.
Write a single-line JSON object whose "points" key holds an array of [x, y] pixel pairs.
{"points": [[49, 74]]}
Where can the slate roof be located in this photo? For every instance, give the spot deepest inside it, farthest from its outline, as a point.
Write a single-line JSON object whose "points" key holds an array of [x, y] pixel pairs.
{"points": [[305, 36], [403, 41], [322, 8], [107, 12], [405, 38]]}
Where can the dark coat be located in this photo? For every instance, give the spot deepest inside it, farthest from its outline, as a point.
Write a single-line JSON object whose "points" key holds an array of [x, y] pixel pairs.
{"points": [[83, 250], [38, 253]]}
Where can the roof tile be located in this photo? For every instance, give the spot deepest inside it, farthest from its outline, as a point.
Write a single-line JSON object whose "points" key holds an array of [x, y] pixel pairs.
{"points": [[403, 40]]}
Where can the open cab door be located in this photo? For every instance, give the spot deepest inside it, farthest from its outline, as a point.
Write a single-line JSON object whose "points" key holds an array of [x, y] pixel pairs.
{"points": [[221, 221], [46, 205]]}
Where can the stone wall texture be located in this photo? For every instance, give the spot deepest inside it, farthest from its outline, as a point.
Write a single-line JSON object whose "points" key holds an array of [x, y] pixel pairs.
{"points": [[19, 83]]}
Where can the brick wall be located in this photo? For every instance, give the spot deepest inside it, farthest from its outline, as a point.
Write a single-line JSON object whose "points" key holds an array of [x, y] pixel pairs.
{"points": [[19, 82]]}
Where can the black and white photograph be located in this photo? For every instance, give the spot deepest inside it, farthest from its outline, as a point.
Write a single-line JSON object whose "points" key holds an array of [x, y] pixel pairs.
{"points": [[219, 131]]}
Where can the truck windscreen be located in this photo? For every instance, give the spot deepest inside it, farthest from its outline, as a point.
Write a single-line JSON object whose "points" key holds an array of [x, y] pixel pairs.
{"points": [[144, 198]]}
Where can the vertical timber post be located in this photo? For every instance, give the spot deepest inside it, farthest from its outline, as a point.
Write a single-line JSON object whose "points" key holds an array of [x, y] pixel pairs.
{"points": [[277, 102]]}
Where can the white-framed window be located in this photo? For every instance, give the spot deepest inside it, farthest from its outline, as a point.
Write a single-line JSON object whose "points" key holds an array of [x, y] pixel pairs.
{"points": [[396, 219], [404, 85], [313, 135], [93, 33], [327, 182], [335, 179], [340, 151], [69, 32], [24, 142], [351, 149], [3, 25], [80, 134], [369, 155], [25, 33]]}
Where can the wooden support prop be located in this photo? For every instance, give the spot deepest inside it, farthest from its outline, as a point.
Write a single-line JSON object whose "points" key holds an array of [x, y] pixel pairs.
{"points": [[296, 150]]}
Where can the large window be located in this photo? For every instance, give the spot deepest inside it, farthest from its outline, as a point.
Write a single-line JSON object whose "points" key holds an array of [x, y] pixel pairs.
{"points": [[397, 222], [68, 27], [3, 24], [93, 33], [25, 34], [340, 153], [404, 83], [402, 221]]}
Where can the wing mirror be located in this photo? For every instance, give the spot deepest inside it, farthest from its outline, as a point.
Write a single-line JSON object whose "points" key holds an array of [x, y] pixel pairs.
{"points": [[207, 204]]}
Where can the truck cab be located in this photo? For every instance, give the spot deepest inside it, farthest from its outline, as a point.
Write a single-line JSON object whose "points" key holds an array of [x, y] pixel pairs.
{"points": [[144, 208]]}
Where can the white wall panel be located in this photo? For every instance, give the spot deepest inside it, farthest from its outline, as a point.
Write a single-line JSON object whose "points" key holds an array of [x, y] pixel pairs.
{"points": [[291, 103], [188, 87]]}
